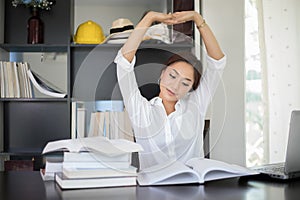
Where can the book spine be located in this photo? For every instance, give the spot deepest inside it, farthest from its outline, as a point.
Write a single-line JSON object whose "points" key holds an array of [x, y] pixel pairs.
{"points": [[29, 87], [16, 83], [80, 121], [2, 79], [73, 120]]}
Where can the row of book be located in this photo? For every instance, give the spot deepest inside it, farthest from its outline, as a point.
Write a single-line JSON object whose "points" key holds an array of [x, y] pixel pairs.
{"points": [[110, 124], [17, 81], [91, 162]]}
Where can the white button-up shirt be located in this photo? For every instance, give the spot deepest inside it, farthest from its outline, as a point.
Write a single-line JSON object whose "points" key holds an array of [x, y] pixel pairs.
{"points": [[178, 135]]}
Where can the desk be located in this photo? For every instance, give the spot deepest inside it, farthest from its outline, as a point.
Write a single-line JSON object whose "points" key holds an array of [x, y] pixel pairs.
{"points": [[29, 185]]}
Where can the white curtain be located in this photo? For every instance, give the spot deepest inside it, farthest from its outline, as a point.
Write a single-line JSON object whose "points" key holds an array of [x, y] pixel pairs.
{"points": [[280, 51]]}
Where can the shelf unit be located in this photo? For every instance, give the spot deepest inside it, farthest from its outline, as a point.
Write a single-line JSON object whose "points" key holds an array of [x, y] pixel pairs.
{"points": [[26, 125]]}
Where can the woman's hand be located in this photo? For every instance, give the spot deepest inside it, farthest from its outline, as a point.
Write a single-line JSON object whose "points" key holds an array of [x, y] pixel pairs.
{"points": [[211, 43], [152, 17], [130, 47], [185, 16]]}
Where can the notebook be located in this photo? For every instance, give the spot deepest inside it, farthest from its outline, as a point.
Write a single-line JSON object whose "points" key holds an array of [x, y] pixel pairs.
{"points": [[291, 167]]}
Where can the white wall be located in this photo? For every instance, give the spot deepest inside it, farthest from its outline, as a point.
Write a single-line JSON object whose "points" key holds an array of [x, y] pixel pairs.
{"points": [[226, 18], [106, 11], [281, 19]]}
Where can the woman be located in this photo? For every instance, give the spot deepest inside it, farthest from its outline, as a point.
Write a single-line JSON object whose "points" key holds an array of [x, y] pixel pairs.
{"points": [[170, 126]]}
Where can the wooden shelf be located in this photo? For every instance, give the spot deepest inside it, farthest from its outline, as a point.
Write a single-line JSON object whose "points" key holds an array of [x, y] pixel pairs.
{"points": [[147, 44], [33, 99], [34, 47]]}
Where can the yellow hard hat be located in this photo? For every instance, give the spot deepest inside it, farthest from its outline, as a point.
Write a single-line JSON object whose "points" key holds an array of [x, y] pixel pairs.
{"points": [[89, 32]]}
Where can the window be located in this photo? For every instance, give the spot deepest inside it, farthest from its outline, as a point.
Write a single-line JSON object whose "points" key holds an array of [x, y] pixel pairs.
{"points": [[254, 103]]}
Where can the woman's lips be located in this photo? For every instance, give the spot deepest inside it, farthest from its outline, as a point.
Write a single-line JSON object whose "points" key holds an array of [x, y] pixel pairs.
{"points": [[170, 92]]}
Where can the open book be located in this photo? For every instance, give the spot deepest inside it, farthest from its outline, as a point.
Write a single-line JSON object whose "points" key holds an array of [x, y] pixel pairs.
{"points": [[94, 144], [195, 170], [44, 86]]}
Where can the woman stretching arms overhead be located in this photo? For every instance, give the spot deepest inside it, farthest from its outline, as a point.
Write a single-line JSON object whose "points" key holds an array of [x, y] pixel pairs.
{"points": [[170, 126]]}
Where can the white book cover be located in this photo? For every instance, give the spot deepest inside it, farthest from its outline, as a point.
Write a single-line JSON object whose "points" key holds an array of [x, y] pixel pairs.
{"points": [[95, 157], [79, 183], [97, 165], [52, 167], [76, 172]]}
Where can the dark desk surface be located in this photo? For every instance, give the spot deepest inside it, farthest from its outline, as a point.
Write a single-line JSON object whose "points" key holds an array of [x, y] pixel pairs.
{"points": [[29, 185]]}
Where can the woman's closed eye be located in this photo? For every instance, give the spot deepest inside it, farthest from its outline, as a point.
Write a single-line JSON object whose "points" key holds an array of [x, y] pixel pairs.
{"points": [[172, 76], [185, 84]]}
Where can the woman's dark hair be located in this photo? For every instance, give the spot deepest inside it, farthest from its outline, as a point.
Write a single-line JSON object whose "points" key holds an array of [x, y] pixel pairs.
{"points": [[191, 59]]}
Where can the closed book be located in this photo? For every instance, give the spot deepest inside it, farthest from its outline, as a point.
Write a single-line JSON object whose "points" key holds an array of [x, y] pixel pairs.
{"points": [[78, 183], [96, 164], [96, 172], [95, 157], [53, 166], [94, 194]]}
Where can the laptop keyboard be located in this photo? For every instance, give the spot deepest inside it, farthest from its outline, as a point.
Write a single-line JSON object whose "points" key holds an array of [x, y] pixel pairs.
{"points": [[278, 169]]}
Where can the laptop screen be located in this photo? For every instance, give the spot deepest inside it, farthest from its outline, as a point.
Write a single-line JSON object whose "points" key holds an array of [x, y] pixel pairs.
{"points": [[292, 163]]}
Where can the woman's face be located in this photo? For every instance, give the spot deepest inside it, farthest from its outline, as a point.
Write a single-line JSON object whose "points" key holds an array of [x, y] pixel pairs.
{"points": [[176, 81]]}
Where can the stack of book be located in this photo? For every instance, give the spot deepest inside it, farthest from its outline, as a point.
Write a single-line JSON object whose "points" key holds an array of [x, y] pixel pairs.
{"points": [[53, 164], [94, 162]]}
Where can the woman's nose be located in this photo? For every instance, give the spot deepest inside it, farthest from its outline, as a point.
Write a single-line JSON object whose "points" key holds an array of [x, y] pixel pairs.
{"points": [[175, 85]]}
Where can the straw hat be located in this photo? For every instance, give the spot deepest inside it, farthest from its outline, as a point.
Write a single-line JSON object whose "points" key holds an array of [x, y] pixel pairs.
{"points": [[119, 31]]}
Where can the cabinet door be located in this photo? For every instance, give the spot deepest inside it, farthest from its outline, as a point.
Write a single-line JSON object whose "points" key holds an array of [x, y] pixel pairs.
{"points": [[30, 125]]}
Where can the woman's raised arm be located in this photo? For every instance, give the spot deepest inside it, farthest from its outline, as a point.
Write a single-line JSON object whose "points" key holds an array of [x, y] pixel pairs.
{"points": [[212, 46], [130, 47]]}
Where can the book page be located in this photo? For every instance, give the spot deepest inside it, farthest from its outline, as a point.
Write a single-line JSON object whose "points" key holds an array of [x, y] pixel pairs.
{"points": [[209, 169], [168, 174]]}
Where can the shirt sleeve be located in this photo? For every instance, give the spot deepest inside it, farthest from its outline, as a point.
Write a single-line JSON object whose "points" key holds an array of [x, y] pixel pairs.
{"points": [[136, 105], [209, 82]]}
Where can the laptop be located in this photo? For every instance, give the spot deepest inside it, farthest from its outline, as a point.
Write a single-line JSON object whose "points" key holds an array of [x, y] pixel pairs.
{"points": [[291, 167]]}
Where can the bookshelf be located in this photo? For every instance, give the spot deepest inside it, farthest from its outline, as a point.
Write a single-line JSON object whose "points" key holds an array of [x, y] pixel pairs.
{"points": [[27, 124]]}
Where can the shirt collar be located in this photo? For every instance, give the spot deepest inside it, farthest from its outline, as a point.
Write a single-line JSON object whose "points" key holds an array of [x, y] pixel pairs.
{"points": [[158, 101]]}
